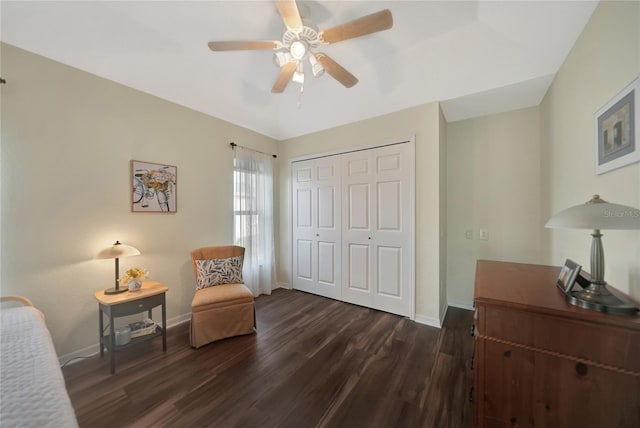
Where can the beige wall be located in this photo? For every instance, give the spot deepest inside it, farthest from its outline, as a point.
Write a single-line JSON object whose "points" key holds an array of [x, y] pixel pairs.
{"points": [[493, 183], [423, 122], [605, 58], [510, 172], [67, 139]]}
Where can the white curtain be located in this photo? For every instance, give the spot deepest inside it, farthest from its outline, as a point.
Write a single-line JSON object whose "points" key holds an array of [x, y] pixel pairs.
{"points": [[253, 217]]}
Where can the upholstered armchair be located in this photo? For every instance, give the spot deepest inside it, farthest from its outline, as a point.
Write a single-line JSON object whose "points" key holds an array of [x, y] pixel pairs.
{"points": [[222, 305]]}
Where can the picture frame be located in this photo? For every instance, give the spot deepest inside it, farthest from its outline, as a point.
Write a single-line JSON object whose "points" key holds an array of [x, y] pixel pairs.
{"points": [[568, 274], [582, 281], [617, 135], [154, 187]]}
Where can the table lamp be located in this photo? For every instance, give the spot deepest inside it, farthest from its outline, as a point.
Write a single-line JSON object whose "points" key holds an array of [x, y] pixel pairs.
{"points": [[598, 214], [116, 251]]}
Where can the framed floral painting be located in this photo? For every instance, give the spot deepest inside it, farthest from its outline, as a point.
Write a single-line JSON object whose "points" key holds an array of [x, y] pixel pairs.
{"points": [[153, 187]]}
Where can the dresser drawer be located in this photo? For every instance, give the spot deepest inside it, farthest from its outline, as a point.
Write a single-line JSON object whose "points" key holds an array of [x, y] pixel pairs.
{"points": [[615, 346], [530, 389], [137, 306]]}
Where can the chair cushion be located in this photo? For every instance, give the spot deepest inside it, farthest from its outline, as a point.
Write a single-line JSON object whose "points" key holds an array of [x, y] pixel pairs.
{"points": [[219, 296], [210, 272]]}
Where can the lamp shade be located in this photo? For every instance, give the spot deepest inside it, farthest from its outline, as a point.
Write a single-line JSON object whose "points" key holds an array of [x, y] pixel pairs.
{"points": [[118, 250], [596, 214]]}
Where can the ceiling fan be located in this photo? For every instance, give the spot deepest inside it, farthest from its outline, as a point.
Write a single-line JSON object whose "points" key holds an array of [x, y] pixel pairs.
{"points": [[302, 39]]}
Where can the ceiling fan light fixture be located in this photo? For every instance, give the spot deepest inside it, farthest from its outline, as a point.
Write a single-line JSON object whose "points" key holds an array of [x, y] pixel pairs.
{"points": [[298, 49], [316, 68], [281, 58], [298, 77]]}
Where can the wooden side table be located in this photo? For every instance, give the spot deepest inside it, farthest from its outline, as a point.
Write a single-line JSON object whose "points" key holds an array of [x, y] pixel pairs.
{"points": [[151, 294]]}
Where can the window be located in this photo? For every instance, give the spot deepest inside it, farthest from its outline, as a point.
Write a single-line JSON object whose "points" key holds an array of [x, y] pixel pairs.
{"points": [[253, 217]]}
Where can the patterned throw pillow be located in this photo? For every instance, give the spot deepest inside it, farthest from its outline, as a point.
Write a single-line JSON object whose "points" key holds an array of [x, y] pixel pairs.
{"points": [[219, 271]]}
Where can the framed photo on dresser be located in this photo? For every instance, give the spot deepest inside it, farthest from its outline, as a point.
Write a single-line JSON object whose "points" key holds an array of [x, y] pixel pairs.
{"points": [[568, 274]]}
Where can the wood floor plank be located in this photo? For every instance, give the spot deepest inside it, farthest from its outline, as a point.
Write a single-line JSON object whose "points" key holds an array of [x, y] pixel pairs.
{"points": [[314, 362]]}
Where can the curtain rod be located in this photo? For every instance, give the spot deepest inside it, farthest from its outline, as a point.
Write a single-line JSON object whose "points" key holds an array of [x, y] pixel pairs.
{"points": [[233, 146]]}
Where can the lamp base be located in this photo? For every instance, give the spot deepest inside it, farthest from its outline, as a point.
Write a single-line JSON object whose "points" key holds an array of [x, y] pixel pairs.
{"points": [[598, 298], [115, 290]]}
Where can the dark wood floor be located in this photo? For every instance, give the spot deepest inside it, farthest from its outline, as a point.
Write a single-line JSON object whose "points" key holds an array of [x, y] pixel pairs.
{"points": [[314, 362]]}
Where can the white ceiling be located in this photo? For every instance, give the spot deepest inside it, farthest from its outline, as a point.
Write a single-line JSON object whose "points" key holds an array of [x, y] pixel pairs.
{"points": [[477, 57]]}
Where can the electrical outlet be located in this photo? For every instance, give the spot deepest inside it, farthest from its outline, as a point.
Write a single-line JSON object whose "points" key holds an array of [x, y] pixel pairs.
{"points": [[468, 234]]}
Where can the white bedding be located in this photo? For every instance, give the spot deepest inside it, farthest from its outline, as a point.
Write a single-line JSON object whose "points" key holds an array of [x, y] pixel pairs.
{"points": [[32, 388]]}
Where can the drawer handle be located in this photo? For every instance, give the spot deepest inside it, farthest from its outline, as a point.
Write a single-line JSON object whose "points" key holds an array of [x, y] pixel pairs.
{"points": [[581, 369], [473, 329], [140, 305]]}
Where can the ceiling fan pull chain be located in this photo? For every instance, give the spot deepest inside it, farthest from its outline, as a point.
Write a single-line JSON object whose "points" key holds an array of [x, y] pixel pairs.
{"points": [[300, 96]]}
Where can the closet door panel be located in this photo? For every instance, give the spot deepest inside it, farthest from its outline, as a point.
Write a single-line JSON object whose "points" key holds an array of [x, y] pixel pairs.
{"points": [[389, 271], [358, 268], [304, 219], [357, 165], [328, 226], [392, 232], [304, 266], [357, 234], [359, 207], [327, 263], [317, 227], [326, 208], [389, 213]]}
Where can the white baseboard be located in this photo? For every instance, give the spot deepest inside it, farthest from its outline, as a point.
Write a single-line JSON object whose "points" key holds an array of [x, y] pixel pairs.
{"points": [[461, 304], [443, 314], [430, 321], [282, 285], [76, 356], [172, 322], [92, 350]]}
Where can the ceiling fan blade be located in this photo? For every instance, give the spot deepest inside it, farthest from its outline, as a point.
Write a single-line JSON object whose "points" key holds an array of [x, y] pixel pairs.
{"points": [[373, 23], [248, 45], [286, 72], [337, 71], [290, 15]]}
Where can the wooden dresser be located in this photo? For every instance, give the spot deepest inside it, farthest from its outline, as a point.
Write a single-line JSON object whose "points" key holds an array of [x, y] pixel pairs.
{"points": [[541, 362]]}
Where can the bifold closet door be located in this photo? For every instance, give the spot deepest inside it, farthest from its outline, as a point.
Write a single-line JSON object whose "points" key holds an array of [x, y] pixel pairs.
{"points": [[316, 226], [376, 228]]}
